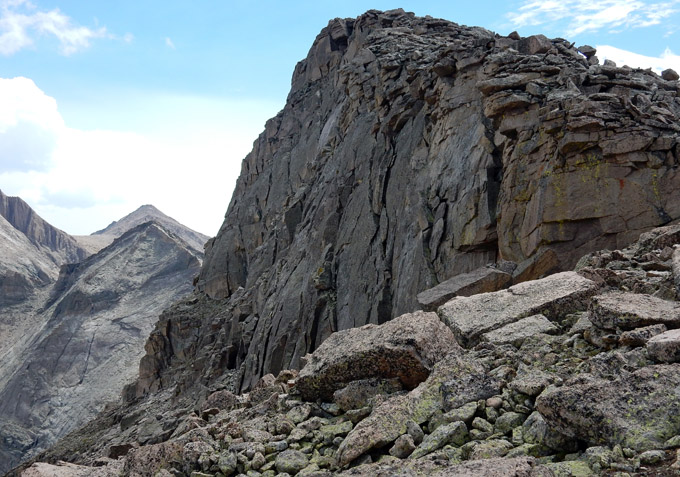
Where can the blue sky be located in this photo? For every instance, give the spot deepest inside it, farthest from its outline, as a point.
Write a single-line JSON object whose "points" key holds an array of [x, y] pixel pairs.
{"points": [[105, 106]]}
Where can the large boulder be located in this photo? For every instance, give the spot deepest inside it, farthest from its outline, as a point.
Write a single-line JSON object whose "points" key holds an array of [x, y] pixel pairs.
{"points": [[553, 296], [640, 410], [406, 348]]}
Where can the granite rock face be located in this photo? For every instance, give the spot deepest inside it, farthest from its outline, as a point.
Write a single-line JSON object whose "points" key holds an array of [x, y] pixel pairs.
{"points": [[414, 149]]}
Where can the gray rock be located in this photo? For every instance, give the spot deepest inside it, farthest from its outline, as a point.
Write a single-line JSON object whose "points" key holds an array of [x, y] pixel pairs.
{"points": [[636, 411], [508, 421], [632, 310], [455, 433], [676, 271], [640, 336], [415, 431], [587, 50], [665, 347], [515, 333], [481, 280], [536, 430], [490, 449], [291, 461], [403, 446], [406, 348], [530, 381], [670, 75], [554, 296], [358, 394]]}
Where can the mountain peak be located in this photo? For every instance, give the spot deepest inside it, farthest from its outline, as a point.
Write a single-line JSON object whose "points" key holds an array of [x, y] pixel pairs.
{"points": [[149, 213]]}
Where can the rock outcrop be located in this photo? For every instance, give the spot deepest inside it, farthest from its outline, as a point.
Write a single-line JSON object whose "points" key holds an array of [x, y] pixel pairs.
{"points": [[411, 150]]}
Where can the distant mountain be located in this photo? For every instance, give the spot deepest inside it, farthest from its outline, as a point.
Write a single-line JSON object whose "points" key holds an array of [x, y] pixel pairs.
{"points": [[99, 315], [55, 243], [73, 324], [148, 213]]}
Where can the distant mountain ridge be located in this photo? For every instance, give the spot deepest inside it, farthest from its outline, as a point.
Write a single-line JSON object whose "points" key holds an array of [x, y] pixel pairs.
{"points": [[75, 313], [148, 213]]}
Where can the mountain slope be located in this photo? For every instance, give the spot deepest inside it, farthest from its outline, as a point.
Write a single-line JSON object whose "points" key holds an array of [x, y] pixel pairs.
{"points": [[95, 324], [147, 213], [410, 150], [61, 247]]}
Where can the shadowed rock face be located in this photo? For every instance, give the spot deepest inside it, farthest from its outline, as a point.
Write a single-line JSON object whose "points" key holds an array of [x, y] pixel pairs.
{"points": [[412, 149]]}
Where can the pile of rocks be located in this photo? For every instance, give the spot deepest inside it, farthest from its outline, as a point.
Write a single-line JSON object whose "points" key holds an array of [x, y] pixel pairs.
{"points": [[573, 374]]}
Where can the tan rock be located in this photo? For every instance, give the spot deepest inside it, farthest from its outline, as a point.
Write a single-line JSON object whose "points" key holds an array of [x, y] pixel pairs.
{"points": [[632, 310], [665, 347]]}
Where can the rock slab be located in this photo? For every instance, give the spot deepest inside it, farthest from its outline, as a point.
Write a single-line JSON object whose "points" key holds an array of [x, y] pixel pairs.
{"points": [[481, 280], [406, 348], [554, 296]]}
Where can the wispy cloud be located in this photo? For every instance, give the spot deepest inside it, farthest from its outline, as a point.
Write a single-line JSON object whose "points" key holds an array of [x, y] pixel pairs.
{"points": [[593, 15], [21, 22], [169, 43]]}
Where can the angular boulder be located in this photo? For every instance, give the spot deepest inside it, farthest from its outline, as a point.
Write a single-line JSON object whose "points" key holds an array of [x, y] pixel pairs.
{"points": [[515, 333], [640, 410], [632, 310], [676, 271], [665, 348], [455, 380], [481, 280], [554, 296], [406, 348]]}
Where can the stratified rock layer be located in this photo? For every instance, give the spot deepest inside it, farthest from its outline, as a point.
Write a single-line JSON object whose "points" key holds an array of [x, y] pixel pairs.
{"points": [[410, 150]]}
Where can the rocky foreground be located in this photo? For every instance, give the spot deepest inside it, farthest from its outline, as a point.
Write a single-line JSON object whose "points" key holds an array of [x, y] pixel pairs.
{"points": [[577, 373]]}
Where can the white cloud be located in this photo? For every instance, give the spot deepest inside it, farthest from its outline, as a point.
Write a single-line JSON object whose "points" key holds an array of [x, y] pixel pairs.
{"points": [[186, 165], [593, 15], [169, 43], [21, 22], [666, 60]]}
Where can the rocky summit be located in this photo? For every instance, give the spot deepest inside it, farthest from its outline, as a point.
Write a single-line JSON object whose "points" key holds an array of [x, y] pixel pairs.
{"points": [[451, 253]]}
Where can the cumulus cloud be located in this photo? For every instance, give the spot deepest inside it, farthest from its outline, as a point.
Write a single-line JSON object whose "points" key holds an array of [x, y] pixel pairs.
{"points": [[29, 126], [593, 15], [21, 22], [80, 181], [666, 60]]}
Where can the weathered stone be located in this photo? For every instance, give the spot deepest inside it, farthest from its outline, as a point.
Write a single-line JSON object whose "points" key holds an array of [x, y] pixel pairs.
{"points": [[632, 310], [147, 460], [636, 411], [652, 457], [508, 421], [571, 468], [669, 75], [291, 461], [455, 380], [405, 348], [415, 431], [554, 296], [481, 280], [498, 467], [640, 336], [536, 430], [490, 449], [455, 433], [665, 347], [403, 446], [515, 333], [587, 51], [676, 271], [358, 394], [529, 381]]}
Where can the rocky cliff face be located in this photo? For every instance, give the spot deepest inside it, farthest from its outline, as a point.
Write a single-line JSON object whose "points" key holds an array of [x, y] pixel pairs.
{"points": [[410, 150], [75, 338]]}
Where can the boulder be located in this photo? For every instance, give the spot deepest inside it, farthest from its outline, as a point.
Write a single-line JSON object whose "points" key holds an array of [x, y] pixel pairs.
{"points": [[554, 296], [676, 271], [406, 348], [358, 394], [640, 410], [515, 333], [455, 433], [669, 75], [632, 310], [481, 280], [455, 380], [640, 336], [665, 347], [291, 461]]}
